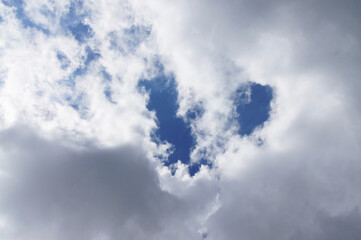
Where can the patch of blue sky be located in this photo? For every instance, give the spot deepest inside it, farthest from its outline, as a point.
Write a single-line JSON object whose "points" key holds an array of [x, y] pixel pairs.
{"points": [[106, 76], [77, 102], [136, 35], [23, 17], [108, 94], [130, 39], [63, 59], [163, 101], [107, 79], [196, 112], [90, 57], [73, 21], [253, 105], [195, 167]]}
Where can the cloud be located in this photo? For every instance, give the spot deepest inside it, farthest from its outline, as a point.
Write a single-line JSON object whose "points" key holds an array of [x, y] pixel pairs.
{"points": [[63, 78], [51, 191], [300, 183]]}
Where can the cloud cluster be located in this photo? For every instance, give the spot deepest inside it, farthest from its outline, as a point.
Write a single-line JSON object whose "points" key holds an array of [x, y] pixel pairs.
{"points": [[66, 81], [50, 191], [296, 177]]}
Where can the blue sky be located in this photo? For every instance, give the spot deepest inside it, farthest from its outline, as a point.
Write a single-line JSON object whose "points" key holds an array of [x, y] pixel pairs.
{"points": [[180, 119], [252, 110]]}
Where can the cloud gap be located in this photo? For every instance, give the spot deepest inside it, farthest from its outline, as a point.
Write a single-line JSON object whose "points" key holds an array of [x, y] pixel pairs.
{"points": [[23, 17], [163, 100], [74, 22], [252, 102], [129, 40]]}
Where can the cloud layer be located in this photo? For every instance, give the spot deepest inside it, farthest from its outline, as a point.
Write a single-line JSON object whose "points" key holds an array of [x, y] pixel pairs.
{"points": [[78, 158], [52, 192]]}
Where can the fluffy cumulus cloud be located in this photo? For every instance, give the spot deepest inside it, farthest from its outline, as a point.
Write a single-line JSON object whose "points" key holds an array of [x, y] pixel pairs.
{"points": [[180, 119]]}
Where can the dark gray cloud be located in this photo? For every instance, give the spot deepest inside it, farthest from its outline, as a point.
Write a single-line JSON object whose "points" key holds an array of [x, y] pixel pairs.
{"points": [[291, 198], [53, 192]]}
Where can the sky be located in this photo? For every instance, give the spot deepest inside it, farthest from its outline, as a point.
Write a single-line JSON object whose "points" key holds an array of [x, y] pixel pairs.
{"points": [[184, 119]]}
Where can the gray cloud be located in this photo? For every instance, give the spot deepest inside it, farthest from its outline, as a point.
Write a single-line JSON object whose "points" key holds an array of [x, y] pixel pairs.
{"points": [[291, 196], [53, 192], [303, 184]]}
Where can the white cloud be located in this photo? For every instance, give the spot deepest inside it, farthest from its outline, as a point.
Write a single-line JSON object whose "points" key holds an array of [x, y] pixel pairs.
{"points": [[34, 91], [302, 183]]}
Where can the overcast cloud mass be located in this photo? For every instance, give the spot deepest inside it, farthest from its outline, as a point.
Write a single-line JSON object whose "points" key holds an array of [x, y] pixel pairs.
{"points": [[186, 119]]}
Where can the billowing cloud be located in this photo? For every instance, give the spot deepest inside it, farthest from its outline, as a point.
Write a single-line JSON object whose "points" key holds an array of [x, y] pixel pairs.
{"points": [[267, 94], [50, 191]]}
